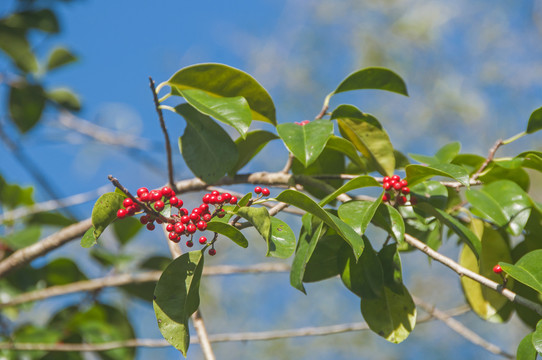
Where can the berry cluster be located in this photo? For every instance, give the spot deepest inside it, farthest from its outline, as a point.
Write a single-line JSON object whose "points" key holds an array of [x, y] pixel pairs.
{"points": [[396, 189], [302, 123]]}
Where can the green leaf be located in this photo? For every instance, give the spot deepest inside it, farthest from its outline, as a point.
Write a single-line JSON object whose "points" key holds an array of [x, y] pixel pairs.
{"points": [[22, 238], [229, 231], [303, 202], [259, 217], [391, 267], [347, 148], [13, 195], [356, 183], [373, 78], [389, 219], [281, 242], [62, 271], [486, 303], [26, 104], [225, 81], [326, 258], [89, 239], [14, 43], [105, 211], [49, 218], [418, 173], [176, 297], [126, 229], [432, 192], [392, 315], [308, 240], [367, 135], [44, 20], [535, 121], [65, 98], [537, 337], [527, 270], [306, 142], [60, 56], [233, 111], [251, 145], [526, 350], [358, 214], [487, 205], [443, 156], [207, 149]]}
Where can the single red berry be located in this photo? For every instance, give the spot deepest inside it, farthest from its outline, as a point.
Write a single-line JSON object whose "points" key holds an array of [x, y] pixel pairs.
{"points": [[212, 199], [131, 210], [185, 219], [136, 207], [219, 199], [144, 219], [179, 228], [212, 252], [396, 177], [397, 186], [150, 226], [202, 225], [145, 197], [233, 200], [167, 192], [121, 213], [215, 193], [173, 236], [196, 211], [159, 205], [170, 227], [402, 200], [191, 228], [205, 198], [127, 202], [142, 190], [226, 197], [392, 182], [257, 190], [183, 211], [158, 221], [386, 179], [202, 240], [180, 203], [189, 243], [403, 183], [173, 201], [207, 217], [386, 186], [304, 122], [221, 214], [155, 195], [266, 192], [386, 197], [194, 217], [405, 190], [203, 208], [497, 269]]}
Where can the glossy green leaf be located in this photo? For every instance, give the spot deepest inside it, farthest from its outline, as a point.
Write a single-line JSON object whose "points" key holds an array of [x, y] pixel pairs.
{"points": [[229, 231], [527, 270], [250, 146], [233, 111], [531, 160], [391, 267], [307, 141], [356, 183], [65, 98], [347, 148], [176, 297], [358, 214], [26, 104], [373, 78], [537, 337], [59, 57], [389, 219], [367, 135], [392, 315], [418, 173], [487, 205], [432, 192], [443, 156], [225, 81], [308, 240], [89, 239], [22, 238], [485, 302], [496, 173], [535, 121], [207, 149], [363, 277], [326, 258], [526, 350], [44, 20], [126, 229], [303, 202], [281, 242], [14, 43], [105, 211], [243, 201]]}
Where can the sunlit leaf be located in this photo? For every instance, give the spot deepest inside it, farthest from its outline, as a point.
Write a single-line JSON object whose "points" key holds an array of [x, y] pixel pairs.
{"points": [[535, 121], [251, 146], [281, 241], [389, 219], [105, 211], [358, 214], [526, 349], [527, 270], [65, 98], [229, 231], [356, 183], [89, 239], [373, 78], [14, 43], [305, 247], [259, 217], [60, 56], [418, 173]]}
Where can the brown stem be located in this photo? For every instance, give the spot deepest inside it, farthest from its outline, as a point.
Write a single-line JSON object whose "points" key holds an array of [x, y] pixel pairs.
{"points": [[490, 157]]}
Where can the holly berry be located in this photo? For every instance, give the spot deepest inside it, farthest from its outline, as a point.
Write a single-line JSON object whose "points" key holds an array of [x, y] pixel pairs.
{"points": [[205, 198], [405, 190], [497, 269], [219, 199], [170, 227], [142, 190], [191, 228], [258, 190], [173, 236], [386, 179], [145, 197], [233, 200], [204, 208], [167, 192], [221, 214], [266, 192], [127, 202], [386, 186], [397, 186], [212, 199], [202, 240], [189, 243], [131, 210], [150, 226], [174, 201], [403, 183], [155, 195], [226, 197], [183, 211], [185, 219], [194, 217], [396, 178], [144, 219], [402, 200], [202, 225], [215, 193], [121, 213], [207, 217], [212, 252], [386, 197], [159, 205], [179, 228]]}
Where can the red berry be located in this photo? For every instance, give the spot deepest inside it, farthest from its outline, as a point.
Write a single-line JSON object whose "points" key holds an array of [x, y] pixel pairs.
{"points": [[203, 208], [191, 228], [170, 227], [497, 269], [196, 211], [189, 243], [150, 226], [183, 211], [155, 195], [127, 202], [121, 213], [185, 219], [226, 197], [173, 201], [144, 219], [392, 182], [221, 214], [158, 221], [212, 252], [141, 191], [396, 177], [194, 217], [397, 186], [207, 217], [202, 225], [136, 207], [266, 192], [386, 179], [180, 203], [159, 205], [233, 200], [386, 186], [403, 183], [202, 240], [219, 199], [205, 198], [173, 236], [402, 200], [215, 193], [386, 197], [179, 228], [257, 190], [167, 192], [131, 210], [212, 199], [145, 197], [405, 190]]}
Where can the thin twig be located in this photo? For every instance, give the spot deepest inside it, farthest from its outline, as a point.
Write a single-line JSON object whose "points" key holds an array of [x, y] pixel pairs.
{"points": [[166, 136], [461, 329], [288, 164], [490, 157]]}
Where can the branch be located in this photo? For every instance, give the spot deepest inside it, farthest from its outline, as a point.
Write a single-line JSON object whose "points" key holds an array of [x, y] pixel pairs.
{"points": [[166, 136], [288, 164], [490, 157], [462, 329]]}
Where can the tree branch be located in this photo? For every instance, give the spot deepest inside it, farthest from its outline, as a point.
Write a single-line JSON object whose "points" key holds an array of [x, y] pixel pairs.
{"points": [[490, 157]]}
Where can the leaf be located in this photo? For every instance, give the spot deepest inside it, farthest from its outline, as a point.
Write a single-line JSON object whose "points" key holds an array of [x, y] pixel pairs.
{"points": [[207, 149], [50, 218], [259, 217], [44, 20], [126, 229], [225, 81], [308, 240], [303, 202], [105, 211], [535, 121], [65, 98], [356, 183], [537, 337], [347, 148], [389, 219], [176, 297], [418, 173], [229, 231], [233, 111], [391, 267], [373, 78], [306, 142], [325, 260], [527, 270], [392, 315], [526, 350], [89, 239], [432, 192], [62, 271], [22, 238], [281, 242], [26, 104], [14, 43], [486, 303], [358, 214], [250, 146], [367, 135], [60, 56], [443, 156]]}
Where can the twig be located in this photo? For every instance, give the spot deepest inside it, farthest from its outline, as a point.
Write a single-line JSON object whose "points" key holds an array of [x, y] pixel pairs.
{"points": [[288, 164], [461, 329], [166, 136], [228, 337], [490, 157]]}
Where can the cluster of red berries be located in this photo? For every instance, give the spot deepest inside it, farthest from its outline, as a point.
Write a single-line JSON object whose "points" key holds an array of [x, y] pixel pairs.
{"points": [[396, 189], [304, 122]]}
